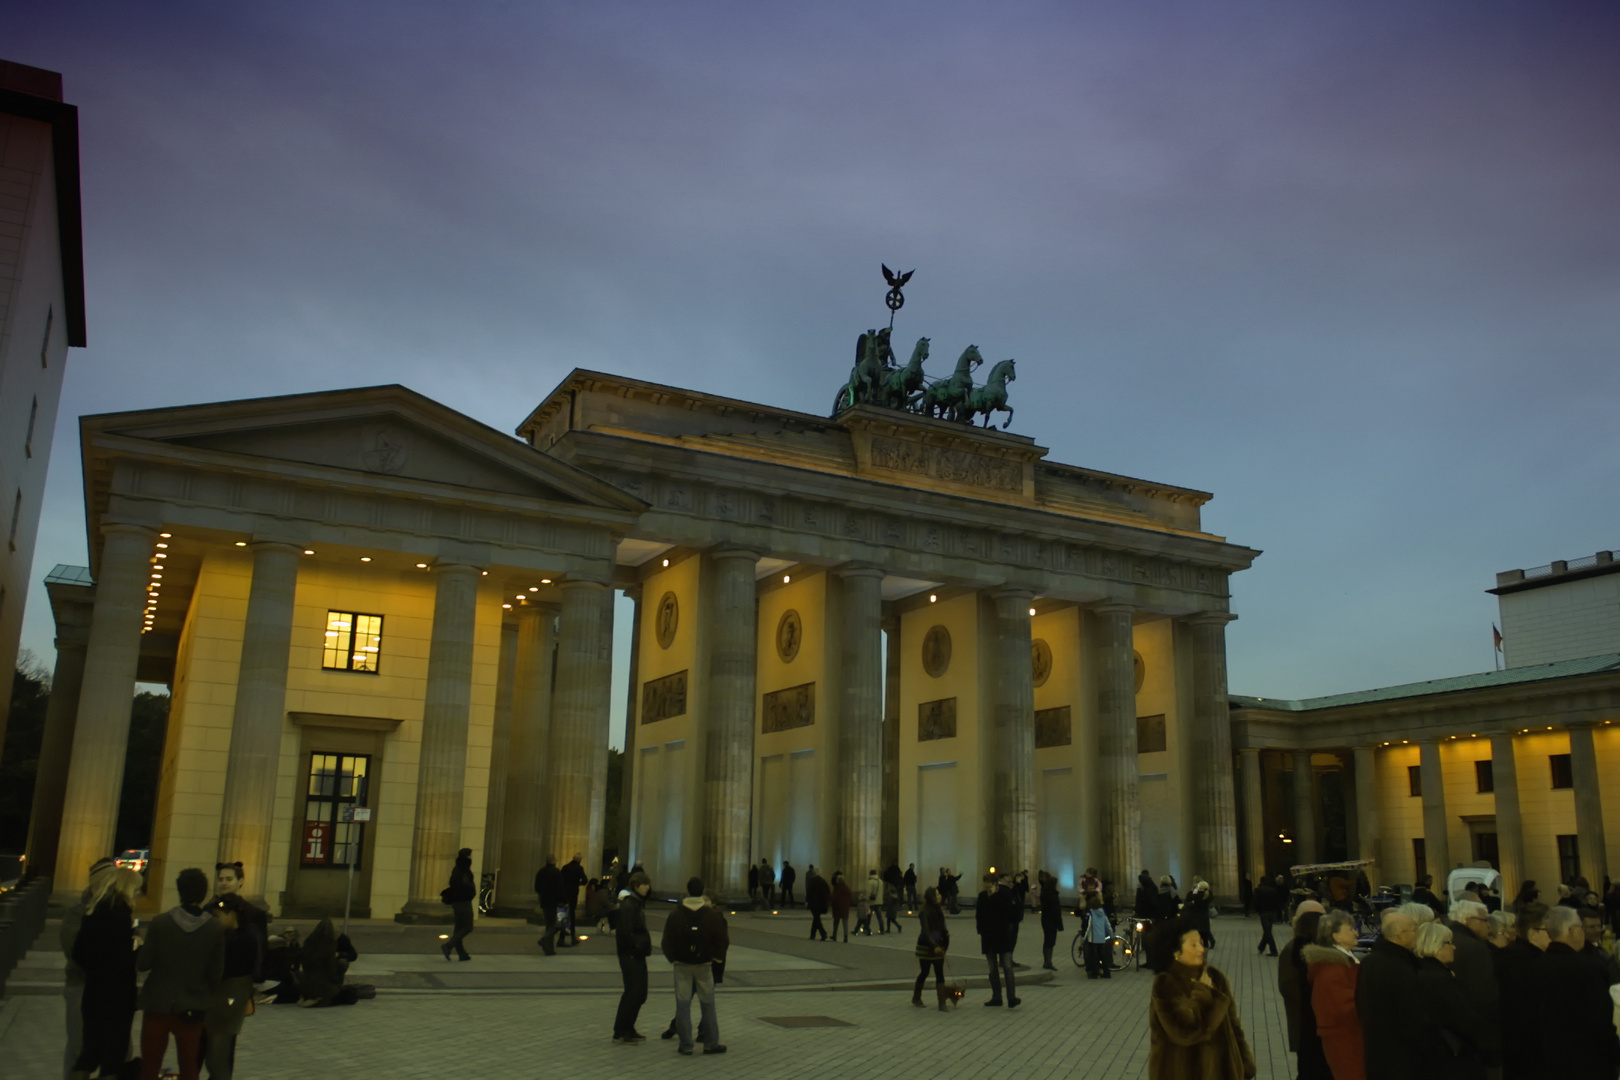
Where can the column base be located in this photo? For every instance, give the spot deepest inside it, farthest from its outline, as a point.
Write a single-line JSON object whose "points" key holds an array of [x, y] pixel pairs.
{"points": [[425, 913]]}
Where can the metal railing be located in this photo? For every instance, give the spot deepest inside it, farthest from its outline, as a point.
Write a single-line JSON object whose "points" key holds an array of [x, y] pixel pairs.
{"points": [[1567, 566], [22, 917]]}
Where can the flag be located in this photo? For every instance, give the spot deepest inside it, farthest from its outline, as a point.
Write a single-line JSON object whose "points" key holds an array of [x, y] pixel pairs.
{"points": [[1496, 637]]}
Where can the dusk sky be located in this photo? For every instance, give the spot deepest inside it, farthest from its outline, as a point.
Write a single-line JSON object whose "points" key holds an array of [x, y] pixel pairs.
{"points": [[1352, 266]]}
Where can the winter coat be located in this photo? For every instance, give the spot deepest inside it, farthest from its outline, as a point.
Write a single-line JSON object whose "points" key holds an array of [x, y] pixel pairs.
{"points": [[1516, 967], [993, 918], [933, 934], [1169, 905], [631, 934], [1051, 907], [184, 952], [842, 898], [1452, 1027], [753, 879], [909, 880], [817, 894], [573, 877], [1391, 1020], [874, 890], [767, 876], [462, 887], [103, 953], [1267, 900], [1098, 929], [1571, 996], [789, 876], [1196, 913], [1293, 979], [1476, 977], [1332, 977], [549, 886], [715, 936], [1194, 1029]]}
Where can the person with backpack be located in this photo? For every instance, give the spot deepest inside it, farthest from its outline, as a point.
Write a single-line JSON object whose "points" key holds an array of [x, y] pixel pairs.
{"points": [[459, 894], [184, 957], [695, 938]]}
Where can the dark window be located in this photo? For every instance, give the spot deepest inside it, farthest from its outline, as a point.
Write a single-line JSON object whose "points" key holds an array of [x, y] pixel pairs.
{"points": [[1414, 781], [1562, 775], [16, 519], [33, 420], [1569, 858], [1420, 859], [353, 642], [1150, 736], [1484, 776], [337, 784], [45, 346], [1485, 848]]}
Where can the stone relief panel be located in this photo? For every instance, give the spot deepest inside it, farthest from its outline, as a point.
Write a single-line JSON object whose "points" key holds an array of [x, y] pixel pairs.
{"points": [[667, 620], [789, 636], [794, 707], [1052, 727], [663, 699], [940, 463], [1150, 734], [1040, 661], [936, 720], [384, 448], [936, 651]]}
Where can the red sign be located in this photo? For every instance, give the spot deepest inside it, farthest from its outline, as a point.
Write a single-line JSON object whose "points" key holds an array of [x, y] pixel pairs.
{"points": [[317, 849]]}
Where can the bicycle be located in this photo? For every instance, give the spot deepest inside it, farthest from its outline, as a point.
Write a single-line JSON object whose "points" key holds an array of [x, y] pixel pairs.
{"points": [[1129, 945], [486, 891]]}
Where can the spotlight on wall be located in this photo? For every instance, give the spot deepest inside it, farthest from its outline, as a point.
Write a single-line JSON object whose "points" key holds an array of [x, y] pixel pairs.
{"points": [[241, 543], [309, 551], [545, 581], [165, 535], [365, 558], [786, 578], [666, 562], [421, 566], [933, 599], [534, 588], [1032, 611]]}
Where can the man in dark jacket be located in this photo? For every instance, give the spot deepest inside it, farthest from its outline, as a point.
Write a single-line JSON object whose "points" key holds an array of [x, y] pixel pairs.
{"points": [[817, 896], [574, 880], [634, 946], [549, 890], [1516, 968], [1268, 905], [993, 918], [1424, 894], [1592, 931], [1386, 999], [460, 894], [909, 880], [695, 938], [184, 955], [1475, 969], [1571, 993], [789, 876]]}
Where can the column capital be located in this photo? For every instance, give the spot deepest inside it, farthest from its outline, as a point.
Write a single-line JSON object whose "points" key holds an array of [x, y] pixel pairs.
{"points": [[1249, 751], [576, 583], [294, 546], [729, 552], [1010, 591], [1209, 618], [859, 570], [1113, 608], [456, 568]]}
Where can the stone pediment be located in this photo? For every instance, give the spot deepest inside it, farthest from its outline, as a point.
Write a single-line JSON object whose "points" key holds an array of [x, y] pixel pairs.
{"points": [[381, 431]]}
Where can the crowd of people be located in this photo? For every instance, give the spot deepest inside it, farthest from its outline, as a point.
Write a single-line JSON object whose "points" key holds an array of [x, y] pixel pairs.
{"points": [[1466, 993], [202, 960]]}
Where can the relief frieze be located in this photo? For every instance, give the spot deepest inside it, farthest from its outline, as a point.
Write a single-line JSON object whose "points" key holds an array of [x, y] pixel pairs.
{"points": [[940, 463], [794, 707]]}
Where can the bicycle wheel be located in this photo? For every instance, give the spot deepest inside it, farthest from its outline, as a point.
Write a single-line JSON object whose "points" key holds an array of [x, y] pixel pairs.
{"points": [[1077, 951], [1120, 955]]}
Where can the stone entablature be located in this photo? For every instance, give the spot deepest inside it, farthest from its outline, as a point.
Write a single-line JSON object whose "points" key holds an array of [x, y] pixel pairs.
{"points": [[895, 448]]}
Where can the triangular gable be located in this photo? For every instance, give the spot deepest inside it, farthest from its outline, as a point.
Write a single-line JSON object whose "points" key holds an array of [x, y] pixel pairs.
{"points": [[385, 431]]}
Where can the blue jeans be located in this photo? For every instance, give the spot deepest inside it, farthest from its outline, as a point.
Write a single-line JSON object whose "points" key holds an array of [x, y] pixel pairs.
{"points": [[1001, 964], [699, 978]]}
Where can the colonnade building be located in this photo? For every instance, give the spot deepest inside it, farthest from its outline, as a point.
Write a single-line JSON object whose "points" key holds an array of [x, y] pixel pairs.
{"points": [[861, 639]]}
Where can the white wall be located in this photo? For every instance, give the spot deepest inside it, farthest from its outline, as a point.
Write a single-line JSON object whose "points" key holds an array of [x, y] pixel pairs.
{"points": [[1566, 621]]}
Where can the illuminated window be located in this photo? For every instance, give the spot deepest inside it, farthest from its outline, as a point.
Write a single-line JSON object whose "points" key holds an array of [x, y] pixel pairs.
{"points": [[337, 784], [353, 642]]}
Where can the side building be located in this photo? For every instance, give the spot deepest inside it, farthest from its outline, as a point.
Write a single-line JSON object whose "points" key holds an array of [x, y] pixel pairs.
{"points": [[41, 316], [1517, 768]]}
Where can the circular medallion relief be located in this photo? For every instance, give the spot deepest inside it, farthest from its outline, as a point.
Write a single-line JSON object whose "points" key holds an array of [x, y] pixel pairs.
{"points": [[1040, 661], [789, 633], [667, 619], [936, 651], [1141, 669]]}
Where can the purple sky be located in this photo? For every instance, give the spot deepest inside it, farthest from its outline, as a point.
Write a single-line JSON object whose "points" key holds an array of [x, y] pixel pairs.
{"points": [[1351, 266]]}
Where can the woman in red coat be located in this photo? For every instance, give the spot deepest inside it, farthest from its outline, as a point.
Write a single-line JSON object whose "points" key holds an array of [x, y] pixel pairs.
{"points": [[842, 898], [1331, 969]]}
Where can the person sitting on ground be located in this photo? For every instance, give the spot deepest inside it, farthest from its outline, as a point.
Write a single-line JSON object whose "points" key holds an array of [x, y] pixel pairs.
{"points": [[324, 965], [1193, 1021]]}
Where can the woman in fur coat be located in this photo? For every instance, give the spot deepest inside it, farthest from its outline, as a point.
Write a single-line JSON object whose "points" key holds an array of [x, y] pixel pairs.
{"points": [[1193, 1020]]}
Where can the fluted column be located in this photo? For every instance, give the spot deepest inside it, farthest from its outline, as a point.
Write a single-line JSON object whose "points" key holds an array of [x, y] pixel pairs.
{"points": [[579, 721], [728, 743], [889, 838], [1304, 808], [248, 811], [1254, 814], [500, 752], [101, 729], [1368, 830], [627, 778], [61, 712], [441, 772], [1436, 845], [1588, 805], [859, 770], [1118, 812], [1214, 801], [1011, 779], [1509, 824], [523, 834]]}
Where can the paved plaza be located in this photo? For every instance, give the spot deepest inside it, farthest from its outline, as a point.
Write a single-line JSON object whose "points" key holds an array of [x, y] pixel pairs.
{"points": [[512, 1012]]}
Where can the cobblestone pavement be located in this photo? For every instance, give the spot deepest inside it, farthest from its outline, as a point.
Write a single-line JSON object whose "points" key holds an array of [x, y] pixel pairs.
{"points": [[1068, 1026]]}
